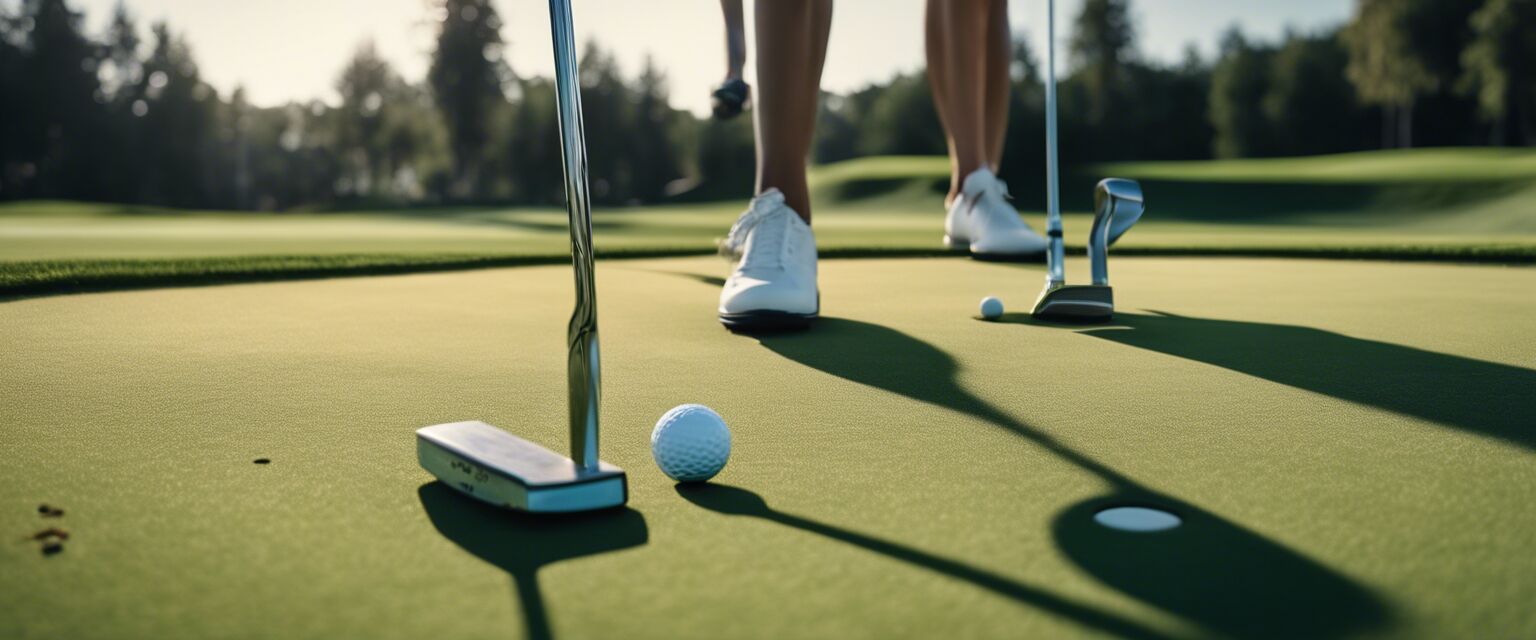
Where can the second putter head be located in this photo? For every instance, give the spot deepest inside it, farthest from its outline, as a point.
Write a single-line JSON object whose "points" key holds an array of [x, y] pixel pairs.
{"points": [[1117, 205]]}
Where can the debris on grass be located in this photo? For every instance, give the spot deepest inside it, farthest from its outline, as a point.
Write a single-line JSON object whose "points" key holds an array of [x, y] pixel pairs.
{"points": [[52, 538], [51, 533]]}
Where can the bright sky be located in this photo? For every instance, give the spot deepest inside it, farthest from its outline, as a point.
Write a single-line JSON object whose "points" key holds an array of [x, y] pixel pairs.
{"points": [[283, 50]]}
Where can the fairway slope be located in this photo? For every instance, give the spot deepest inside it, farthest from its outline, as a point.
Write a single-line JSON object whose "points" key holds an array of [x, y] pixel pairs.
{"points": [[1451, 205]]}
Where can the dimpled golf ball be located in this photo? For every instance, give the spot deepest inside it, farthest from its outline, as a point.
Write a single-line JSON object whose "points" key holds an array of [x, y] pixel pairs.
{"points": [[691, 443], [991, 308]]}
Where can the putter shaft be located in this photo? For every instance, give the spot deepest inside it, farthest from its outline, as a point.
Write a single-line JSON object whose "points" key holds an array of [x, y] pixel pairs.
{"points": [[583, 364], [1055, 249]]}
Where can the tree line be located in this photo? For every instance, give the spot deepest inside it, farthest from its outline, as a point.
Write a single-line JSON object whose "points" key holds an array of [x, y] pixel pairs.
{"points": [[125, 116]]}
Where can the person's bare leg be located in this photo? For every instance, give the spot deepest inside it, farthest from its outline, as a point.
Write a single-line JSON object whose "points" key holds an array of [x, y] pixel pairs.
{"points": [[735, 39], [791, 47], [999, 63], [957, 31], [934, 44]]}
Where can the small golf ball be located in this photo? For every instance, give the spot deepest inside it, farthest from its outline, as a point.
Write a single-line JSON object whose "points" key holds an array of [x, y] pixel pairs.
{"points": [[691, 443], [991, 308]]}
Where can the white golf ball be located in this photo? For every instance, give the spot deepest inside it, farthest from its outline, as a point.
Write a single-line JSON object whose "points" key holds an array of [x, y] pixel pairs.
{"points": [[991, 308], [691, 443]]}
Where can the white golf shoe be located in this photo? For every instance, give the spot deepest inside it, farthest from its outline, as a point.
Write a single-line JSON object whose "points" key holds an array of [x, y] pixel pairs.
{"points": [[982, 221], [773, 285]]}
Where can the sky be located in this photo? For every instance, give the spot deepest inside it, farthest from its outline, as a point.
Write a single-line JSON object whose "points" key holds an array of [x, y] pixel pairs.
{"points": [[283, 50]]}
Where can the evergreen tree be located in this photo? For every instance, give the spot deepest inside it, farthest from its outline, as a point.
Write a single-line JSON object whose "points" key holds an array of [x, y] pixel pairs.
{"points": [[1382, 65], [176, 112], [1103, 43], [535, 143], [467, 76], [1401, 51], [121, 72], [726, 158], [13, 117], [369, 88], [1169, 118], [1309, 100], [837, 131], [655, 159], [60, 106], [1500, 68], [903, 121], [121, 66], [606, 109], [1238, 87], [412, 143]]}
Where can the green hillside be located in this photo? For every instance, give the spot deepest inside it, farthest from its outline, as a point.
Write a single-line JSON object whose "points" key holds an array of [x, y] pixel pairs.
{"points": [[1440, 204]]}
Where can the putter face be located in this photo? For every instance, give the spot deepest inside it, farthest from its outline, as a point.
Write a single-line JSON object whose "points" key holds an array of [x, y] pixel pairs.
{"points": [[1082, 303], [497, 467]]}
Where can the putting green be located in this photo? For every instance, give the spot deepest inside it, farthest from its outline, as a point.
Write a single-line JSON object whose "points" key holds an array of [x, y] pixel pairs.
{"points": [[1349, 445]]}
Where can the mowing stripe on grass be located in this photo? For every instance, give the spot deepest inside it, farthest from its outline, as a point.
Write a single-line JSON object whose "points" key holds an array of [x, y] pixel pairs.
{"points": [[49, 277]]}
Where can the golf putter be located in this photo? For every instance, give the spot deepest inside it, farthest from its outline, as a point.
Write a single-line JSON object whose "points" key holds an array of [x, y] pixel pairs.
{"points": [[1118, 204], [495, 466]]}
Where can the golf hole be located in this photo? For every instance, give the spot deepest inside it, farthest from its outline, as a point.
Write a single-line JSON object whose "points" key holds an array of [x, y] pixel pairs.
{"points": [[262, 461], [1137, 519]]}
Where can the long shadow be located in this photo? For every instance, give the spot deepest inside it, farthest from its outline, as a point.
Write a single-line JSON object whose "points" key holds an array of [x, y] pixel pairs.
{"points": [[1209, 571], [521, 544], [713, 281], [741, 502], [1492, 399]]}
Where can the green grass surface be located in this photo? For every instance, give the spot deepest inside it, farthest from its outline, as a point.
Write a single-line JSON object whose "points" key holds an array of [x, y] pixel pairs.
{"points": [[1455, 204], [1348, 442]]}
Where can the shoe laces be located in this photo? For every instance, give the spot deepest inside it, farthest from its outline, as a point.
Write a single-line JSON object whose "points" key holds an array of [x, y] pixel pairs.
{"points": [[996, 187], [767, 242]]}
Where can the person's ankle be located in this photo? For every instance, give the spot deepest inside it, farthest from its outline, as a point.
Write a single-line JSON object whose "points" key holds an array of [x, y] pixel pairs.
{"points": [[797, 200]]}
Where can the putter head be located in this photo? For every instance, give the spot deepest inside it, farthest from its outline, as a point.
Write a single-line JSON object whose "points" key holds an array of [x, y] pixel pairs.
{"points": [[1120, 201], [492, 465], [1075, 303], [1117, 205]]}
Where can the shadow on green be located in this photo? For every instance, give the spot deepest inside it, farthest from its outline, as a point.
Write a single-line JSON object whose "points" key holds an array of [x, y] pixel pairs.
{"points": [[741, 502], [1473, 395], [1209, 571], [521, 544], [713, 281]]}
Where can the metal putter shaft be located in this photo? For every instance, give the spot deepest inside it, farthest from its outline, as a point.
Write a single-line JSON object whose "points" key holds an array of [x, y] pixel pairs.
{"points": [[498, 467], [582, 365], [1055, 256], [1118, 204]]}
